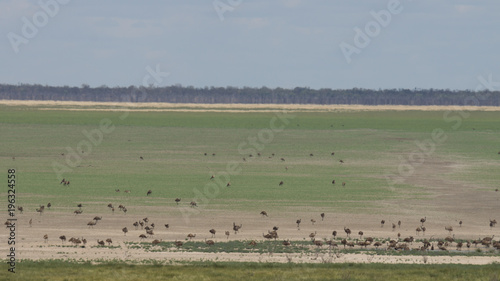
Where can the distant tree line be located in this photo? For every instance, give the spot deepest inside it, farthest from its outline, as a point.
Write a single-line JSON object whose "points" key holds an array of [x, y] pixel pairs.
{"points": [[298, 95]]}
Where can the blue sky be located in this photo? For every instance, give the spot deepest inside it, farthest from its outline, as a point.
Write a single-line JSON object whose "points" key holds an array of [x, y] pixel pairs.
{"points": [[281, 43]]}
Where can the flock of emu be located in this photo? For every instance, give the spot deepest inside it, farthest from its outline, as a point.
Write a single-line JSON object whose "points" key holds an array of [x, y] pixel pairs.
{"points": [[335, 240], [398, 243]]}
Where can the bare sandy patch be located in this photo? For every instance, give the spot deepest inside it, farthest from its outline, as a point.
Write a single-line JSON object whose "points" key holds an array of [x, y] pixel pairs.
{"points": [[195, 107]]}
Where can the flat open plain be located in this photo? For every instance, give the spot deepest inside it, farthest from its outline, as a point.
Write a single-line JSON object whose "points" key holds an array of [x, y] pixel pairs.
{"points": [[399, 163]]}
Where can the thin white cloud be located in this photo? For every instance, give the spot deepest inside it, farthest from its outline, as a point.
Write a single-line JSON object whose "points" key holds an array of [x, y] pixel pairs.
{"points": [[463, 9], [123, 27], [252, 23], [12, 9], [291, 3]]}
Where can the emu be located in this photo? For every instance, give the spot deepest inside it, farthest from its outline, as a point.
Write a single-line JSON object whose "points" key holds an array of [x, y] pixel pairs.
{"points": [[347, 231], [236, 227], [317, 243], [449, 228]]}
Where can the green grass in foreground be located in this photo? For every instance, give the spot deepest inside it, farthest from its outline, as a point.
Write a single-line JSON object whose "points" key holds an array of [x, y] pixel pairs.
{"points": [[59, 270]]}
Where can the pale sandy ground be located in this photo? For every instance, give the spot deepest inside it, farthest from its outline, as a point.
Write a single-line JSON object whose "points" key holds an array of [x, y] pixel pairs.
{"points": [[188, 107], [448, 202], [30, 243]]}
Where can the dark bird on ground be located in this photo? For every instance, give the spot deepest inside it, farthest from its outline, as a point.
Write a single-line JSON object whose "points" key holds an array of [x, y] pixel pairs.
{"points": [[347, 231]]}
